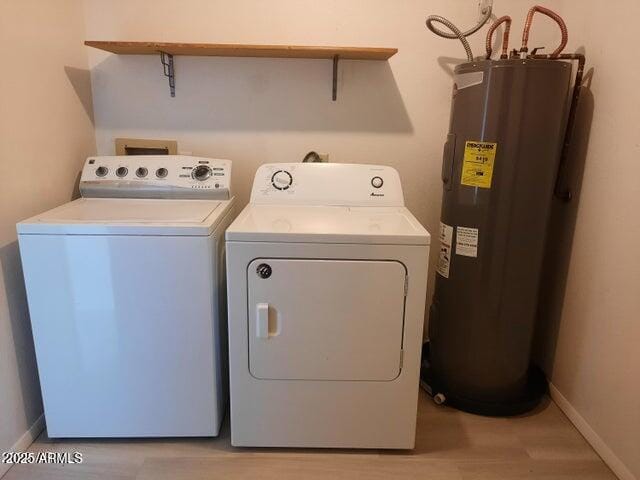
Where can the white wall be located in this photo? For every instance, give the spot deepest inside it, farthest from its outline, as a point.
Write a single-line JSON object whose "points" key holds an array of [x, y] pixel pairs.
{"points": [[254, 111], [45, 133], [596, 367]]}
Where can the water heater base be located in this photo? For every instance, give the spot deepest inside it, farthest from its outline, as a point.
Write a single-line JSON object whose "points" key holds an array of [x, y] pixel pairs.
{"points": [[536, 388]]}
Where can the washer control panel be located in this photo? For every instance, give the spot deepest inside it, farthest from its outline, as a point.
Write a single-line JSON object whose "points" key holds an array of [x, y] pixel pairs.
{"points": [[327, 184], [156, 176]]}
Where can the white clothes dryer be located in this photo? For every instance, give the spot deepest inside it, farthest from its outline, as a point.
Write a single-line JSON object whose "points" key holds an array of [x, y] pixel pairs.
{"points": [[327, 275]]}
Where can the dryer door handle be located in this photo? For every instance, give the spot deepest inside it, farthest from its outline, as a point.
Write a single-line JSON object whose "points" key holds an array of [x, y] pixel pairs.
{"points": [[262, 320]]}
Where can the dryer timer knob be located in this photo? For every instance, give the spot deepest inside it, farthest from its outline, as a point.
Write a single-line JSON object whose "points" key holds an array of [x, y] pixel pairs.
{"points": [[281, 180]]}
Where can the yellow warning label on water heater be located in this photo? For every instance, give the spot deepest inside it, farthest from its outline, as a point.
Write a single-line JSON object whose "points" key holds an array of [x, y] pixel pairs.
{"points": [[477, 166]]}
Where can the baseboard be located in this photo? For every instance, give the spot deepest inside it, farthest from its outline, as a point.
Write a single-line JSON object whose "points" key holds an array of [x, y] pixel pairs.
{"points": [[24, 441], [601, 448]]}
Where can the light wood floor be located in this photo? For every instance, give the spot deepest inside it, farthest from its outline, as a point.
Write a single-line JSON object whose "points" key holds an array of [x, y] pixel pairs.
{"points": [[450, 445]]}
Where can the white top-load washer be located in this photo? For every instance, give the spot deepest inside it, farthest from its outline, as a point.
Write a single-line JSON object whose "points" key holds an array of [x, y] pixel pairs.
{"points": [[127, 297], [327, 275]]}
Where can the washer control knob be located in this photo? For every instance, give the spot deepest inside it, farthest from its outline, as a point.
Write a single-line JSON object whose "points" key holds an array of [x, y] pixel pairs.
{"points": [[162, 172], [102, 171], [281, 180], [141, 172], [122, 172], [377, 182], [201, 172]]}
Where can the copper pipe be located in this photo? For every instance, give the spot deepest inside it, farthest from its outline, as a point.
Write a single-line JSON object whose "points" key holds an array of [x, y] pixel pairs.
{"points": [[549, 13], [560, 190], [505, 36]]}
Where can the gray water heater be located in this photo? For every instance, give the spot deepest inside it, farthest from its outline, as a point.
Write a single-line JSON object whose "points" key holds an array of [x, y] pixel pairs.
{"points": [[501, 158]]}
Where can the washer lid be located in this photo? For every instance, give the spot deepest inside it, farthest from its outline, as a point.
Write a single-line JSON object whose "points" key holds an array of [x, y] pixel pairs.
{"points": [[324, 224], [128, 216]]}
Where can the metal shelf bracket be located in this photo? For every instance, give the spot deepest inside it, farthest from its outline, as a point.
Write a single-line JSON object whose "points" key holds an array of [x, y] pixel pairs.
{"points": [[334, 95], [167, 64]]}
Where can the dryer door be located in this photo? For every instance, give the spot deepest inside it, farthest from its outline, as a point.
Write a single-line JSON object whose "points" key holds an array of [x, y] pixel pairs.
{"points": [[325, 319]]}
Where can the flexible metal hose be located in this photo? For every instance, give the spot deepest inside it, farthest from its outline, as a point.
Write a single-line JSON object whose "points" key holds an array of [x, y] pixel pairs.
{"points": [[551, 14], [456, 32], [485, 16], [505, 36]]}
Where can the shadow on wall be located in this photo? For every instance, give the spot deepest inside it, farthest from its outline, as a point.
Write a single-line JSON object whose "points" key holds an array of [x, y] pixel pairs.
{"points": [[21, 329], [80, 80], [248, 94], [562, 223]]}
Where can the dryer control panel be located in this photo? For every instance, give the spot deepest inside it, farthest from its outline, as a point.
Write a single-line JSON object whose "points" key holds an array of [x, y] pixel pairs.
{"points": [[156, 176], [327, 184]]}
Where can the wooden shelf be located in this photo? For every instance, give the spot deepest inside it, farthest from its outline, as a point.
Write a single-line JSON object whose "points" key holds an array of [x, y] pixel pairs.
{"points": [[168, 50], [236, 50]]}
